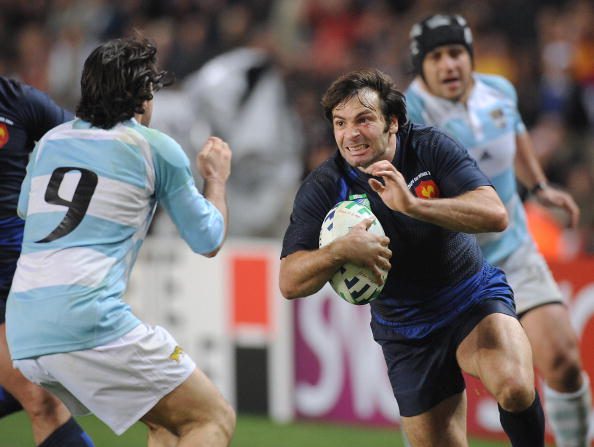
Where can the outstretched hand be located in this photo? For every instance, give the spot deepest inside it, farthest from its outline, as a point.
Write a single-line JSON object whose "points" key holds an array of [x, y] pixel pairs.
{"points": [[393, 191]]}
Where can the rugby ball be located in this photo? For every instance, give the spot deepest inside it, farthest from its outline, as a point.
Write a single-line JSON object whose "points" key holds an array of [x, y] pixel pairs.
{"points": [[352, 283]]}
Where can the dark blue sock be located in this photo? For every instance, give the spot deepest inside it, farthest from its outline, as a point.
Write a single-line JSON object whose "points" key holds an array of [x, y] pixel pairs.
{"points": [[525, 428], [8, 404], [68, 435]]}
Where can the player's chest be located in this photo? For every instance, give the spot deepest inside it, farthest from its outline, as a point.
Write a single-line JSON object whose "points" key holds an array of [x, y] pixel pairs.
{"points": [[401, 229], [487, 132]]}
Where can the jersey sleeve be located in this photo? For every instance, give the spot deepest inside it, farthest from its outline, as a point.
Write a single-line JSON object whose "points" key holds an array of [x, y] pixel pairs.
{"points": [[316, 196], [456, 171], [40, 113], [198, 221]]}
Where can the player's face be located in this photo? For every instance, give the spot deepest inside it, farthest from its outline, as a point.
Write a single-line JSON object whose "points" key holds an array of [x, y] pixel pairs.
{"points": [[448, 72], [360, 130]]}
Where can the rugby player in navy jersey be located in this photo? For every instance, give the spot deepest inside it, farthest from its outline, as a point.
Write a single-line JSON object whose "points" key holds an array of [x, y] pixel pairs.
{"points": [[25, 115], [443, 309]]}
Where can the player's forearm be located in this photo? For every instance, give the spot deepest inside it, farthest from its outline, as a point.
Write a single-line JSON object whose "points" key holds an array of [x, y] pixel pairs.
{"points": [[215, 191], [305, 272], [478, 211], [528, 168]]}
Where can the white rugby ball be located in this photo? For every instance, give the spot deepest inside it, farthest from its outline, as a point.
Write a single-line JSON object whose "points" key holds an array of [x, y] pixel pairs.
{"points": [[352, 283]]}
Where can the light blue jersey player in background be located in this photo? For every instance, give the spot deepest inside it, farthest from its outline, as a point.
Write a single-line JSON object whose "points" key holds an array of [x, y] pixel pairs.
{"points": [[481, 112], [89, 195]]}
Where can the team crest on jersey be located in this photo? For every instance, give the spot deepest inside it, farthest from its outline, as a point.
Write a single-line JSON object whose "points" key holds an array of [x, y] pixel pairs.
{"points": [[4, 136], [427, 189], [424, 186], [176, 354], [498, 118]]}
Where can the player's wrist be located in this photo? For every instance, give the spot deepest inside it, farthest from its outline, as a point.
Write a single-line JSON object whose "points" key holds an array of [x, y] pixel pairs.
{"points": [[538, 187]]}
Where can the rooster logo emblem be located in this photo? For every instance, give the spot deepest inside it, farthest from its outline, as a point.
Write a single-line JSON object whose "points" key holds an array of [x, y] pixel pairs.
{"points": [[3, 135], [427, 189]]}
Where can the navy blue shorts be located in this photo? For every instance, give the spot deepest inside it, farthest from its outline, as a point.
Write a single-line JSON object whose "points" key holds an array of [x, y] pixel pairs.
{"points": [[424, 372]]}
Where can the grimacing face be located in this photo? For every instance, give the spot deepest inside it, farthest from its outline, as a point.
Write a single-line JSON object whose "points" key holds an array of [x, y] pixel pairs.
{"points": [[360, 130], [447, 72]]}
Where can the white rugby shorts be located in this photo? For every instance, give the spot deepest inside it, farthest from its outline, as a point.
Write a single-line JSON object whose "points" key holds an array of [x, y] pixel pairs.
{"points": [[120, 381], [530, 278]]}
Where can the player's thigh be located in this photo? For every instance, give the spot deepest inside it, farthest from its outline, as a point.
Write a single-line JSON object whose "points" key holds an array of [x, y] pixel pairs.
{"points": [[530, 278], [444, 425], [196, 400], [37, 401], [495, 350], [552, 337], [12, 379]]}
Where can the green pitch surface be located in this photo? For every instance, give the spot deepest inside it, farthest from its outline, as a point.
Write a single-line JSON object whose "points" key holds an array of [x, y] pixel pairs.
{"points": [[251, 432]]}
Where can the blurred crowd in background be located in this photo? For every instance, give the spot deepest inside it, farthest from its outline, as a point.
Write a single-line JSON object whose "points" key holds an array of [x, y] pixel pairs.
{"points": [[253, 72]]}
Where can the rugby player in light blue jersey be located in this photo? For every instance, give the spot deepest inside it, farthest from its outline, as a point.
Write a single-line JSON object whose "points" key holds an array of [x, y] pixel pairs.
{"points": [[89, 195], [481, 112]]}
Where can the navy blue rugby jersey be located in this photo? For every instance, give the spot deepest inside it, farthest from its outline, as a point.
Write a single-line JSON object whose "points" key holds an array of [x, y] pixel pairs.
{"points": [[25, 115], [432, 267]]}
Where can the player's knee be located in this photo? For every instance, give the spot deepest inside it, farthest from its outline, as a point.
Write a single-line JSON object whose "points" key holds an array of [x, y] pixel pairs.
{"points": [[226, 420], [41, 405], [220, 422], [515, 393], [564, 371]]}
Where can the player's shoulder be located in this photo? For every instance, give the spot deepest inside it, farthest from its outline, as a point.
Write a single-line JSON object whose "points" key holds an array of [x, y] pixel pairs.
{"points": [[421, 135], [325, 179], [328, 171], [162, 146], [427, 141], [14, 93], [414, 95], [10, 86], [59, 132], [497, 83]]}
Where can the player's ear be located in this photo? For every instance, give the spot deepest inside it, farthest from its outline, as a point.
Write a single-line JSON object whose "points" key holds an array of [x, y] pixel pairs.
{"points": [[393, 125]]}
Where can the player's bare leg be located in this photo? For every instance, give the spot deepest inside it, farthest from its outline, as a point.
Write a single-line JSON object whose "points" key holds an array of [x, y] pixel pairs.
{"points": [[442, 426], [497, 351], [45, 411], [556, 357], [195, 412], [160, 437]]}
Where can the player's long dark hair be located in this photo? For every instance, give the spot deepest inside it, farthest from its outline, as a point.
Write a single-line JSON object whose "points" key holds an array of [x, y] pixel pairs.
{"points": [[117, 78], [392, 101]]}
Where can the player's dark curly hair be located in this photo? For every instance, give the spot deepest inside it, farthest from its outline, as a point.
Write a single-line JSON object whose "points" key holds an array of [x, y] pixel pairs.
{"points": [[392, 101], [118, 76]]}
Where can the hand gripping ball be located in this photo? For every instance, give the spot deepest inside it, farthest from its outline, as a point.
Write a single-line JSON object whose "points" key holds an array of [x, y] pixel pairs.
{"points": [[352, 283]]}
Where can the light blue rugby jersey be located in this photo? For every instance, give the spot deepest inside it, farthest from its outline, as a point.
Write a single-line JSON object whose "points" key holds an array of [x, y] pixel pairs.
{"points": [[487, 126], [88, 199]]}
